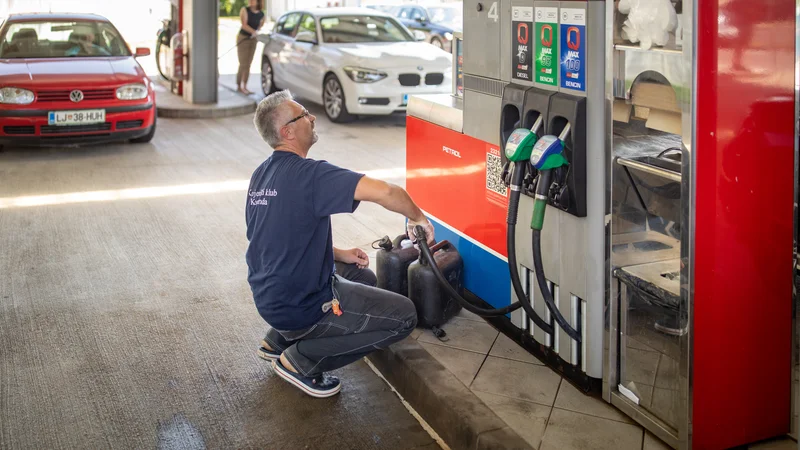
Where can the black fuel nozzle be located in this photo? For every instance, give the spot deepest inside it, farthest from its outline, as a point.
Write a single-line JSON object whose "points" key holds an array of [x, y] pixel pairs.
{"points": [[529, 182]]}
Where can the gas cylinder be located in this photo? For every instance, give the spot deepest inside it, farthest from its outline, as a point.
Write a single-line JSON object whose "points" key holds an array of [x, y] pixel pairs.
{"points": [[434, 305], [393, 260]]}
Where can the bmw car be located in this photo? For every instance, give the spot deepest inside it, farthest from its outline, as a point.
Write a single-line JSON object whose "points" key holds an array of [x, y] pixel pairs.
{"points": [[353, 61], [71, 79]]}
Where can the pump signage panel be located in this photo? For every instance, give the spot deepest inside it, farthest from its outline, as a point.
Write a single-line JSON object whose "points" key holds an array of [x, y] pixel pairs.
{"points": [[573, 48], [522, 43], [546, 46]]}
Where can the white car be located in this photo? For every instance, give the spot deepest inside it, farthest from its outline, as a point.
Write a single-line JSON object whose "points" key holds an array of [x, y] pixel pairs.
{"points": [[353, 61]]}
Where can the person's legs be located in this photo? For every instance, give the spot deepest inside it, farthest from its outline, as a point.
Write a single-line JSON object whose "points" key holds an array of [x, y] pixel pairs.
{"points": [[353, 273], [274, 343], [242, 54], [371, 319], [250, 49]]}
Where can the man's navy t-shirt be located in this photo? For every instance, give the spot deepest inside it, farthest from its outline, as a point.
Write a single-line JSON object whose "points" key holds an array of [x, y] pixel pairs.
{"points": [[290, 256]]}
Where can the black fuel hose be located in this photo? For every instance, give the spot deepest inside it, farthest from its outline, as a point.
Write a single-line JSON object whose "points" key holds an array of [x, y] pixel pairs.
{"points": [[548, 296], [543, 185], [511, 220], [422, 240]]}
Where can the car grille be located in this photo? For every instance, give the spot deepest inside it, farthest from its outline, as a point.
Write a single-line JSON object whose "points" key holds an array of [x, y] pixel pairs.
{"points": [[63, 95], [413, 79], [433, 79], [409, 79], [23, 129], [56, 129], [126, 124]]}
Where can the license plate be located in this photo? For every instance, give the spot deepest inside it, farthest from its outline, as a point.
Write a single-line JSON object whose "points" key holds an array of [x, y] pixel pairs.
{"points": [[78, 117], [405, 99]]}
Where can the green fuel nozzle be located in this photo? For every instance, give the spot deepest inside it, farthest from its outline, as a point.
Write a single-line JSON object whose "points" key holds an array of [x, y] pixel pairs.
{"points": [[521, 142], [547, 154]]}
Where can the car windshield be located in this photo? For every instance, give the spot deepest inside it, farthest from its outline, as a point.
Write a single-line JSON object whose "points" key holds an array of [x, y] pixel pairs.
{"points": [[445, 14], [352, 29], [61, 39]]}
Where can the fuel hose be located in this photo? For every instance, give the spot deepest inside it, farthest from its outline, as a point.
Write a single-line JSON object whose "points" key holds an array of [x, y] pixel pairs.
{"points": [[511, 220], [422, 240], [537, 221]]}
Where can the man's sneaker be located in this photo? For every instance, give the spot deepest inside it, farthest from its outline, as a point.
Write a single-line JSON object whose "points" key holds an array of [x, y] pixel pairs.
{"points": [[269, 355], [320, 386]]}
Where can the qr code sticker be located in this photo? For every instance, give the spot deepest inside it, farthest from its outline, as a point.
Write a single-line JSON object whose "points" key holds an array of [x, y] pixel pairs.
{"points": [[494, 174]]}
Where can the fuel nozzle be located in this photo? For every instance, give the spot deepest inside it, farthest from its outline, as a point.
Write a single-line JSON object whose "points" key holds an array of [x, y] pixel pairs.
{"points": [[547, 154], [518, 150], [521, 142]]}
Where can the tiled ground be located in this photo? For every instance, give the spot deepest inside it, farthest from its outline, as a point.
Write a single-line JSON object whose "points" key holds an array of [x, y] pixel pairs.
{"points": [[532, 399]]}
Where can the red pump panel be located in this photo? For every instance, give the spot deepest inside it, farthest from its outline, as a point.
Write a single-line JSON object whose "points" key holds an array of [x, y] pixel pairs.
{"points": [[446, 174], [744, 212]]}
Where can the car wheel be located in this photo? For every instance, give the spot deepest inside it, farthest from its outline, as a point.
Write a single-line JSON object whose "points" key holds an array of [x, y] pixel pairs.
{"points": [[436, 42], [147, 137], [267, 78], [334, 101]]}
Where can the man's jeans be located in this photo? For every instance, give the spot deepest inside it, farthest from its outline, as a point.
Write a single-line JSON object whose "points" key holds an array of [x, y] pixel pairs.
{"points": [[371, 319]]}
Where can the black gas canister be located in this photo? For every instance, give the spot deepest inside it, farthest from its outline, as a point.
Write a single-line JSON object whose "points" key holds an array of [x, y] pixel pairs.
{"points": [[394, 258], [434, 305]]}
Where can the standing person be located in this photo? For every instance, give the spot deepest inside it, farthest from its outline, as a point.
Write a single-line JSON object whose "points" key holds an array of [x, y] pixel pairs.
{"points": [[322, 319], [252, 18]]}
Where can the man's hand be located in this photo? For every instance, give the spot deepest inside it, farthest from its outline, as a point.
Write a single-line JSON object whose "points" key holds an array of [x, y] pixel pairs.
{"points": [[353, 256], [426, 225]]}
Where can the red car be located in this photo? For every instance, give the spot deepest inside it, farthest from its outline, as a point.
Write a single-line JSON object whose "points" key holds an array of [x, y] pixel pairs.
{"points": [[71, 78]]}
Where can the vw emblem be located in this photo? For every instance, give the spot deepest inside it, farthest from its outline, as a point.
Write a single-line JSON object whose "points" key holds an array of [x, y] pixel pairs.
{"points": [[420, 68], [76, 96]]}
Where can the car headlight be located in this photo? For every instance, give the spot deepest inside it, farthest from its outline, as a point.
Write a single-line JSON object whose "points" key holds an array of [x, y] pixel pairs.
{"points": [[16, 96], [132, 92], [448, 36], [361, 75]]}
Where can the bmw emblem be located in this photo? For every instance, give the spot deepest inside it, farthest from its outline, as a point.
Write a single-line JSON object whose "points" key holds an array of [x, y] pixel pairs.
{"points": [[420, 68], [76, 96]]}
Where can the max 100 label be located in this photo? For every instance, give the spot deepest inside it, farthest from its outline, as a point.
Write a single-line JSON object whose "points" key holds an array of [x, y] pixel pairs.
{"points": [[572, 44]]}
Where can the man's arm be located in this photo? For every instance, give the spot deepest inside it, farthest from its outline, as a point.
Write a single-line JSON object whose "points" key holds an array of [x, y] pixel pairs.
{"points": [[337, 254], [395, 199], [390, 196], [353, 256]]}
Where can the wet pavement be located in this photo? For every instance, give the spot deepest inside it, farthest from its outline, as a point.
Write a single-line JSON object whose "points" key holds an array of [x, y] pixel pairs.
{"points": [[126, 320]]}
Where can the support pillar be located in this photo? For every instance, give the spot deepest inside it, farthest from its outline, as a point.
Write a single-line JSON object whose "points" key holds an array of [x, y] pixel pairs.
{"points": [[200, 21]]}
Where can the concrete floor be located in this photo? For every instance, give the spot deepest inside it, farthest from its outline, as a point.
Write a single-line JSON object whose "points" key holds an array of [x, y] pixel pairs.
{"points": [[125, 316]]}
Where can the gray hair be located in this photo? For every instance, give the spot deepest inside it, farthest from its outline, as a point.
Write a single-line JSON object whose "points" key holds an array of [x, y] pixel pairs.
{"points": [[268, 117]]}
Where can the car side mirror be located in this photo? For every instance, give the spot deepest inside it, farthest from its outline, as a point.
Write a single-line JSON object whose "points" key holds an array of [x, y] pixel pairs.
{"points": [[419, 35], [142, 51], [307, 37]]}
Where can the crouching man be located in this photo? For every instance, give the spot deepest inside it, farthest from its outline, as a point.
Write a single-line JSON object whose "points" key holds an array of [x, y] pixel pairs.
{"points": [[320, 301]]}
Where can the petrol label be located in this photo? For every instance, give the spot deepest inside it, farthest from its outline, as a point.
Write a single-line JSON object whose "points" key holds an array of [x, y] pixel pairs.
{"points": [[522, 44], [546, 46], [573, 48]]}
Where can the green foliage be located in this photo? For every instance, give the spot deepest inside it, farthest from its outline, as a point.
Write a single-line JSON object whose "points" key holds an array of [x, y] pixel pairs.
{"points": [[228, 8]]}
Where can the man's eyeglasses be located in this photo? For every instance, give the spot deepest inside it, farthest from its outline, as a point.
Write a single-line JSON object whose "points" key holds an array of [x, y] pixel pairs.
{"points": [[305, 113]]}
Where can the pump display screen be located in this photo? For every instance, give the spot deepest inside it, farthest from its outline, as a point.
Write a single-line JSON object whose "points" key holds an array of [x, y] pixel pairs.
{"points": [[514, 140], [544, 147]]}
